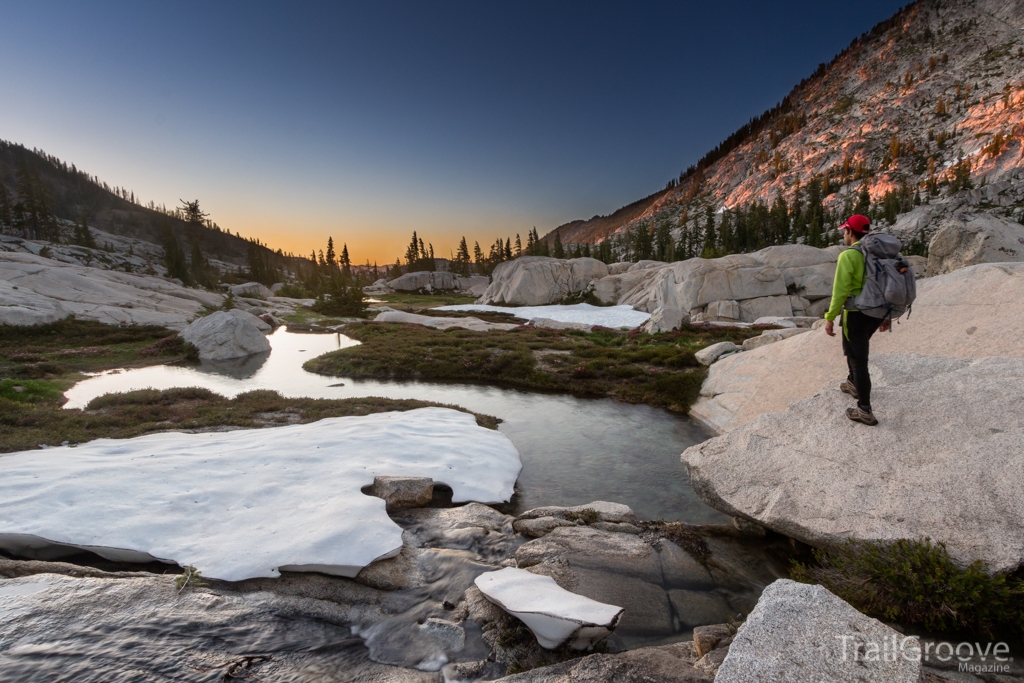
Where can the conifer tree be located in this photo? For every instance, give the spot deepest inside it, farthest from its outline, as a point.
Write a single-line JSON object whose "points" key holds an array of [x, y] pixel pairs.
{"points": [[6, 213], [174, 257], [83, 236], [508, 249], [519, 246], [329, 255], [559, 252], [478, 256]]}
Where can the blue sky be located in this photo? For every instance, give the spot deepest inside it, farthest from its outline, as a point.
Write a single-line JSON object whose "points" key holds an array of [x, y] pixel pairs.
{"points": [[295, 121]]}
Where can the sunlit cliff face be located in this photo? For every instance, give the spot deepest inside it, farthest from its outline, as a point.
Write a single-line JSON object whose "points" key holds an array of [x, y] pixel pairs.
{"points": [[906, 106]]}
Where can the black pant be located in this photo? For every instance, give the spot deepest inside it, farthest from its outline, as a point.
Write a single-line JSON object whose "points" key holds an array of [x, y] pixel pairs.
{"points": [[856, 339]]}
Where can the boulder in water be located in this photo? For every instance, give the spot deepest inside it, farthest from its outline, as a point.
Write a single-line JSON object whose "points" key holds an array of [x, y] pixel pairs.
{"points": [[223, 335]]}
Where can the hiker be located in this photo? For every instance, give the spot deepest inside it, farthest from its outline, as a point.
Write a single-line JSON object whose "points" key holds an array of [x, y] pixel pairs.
{"points": [[857, 327]]}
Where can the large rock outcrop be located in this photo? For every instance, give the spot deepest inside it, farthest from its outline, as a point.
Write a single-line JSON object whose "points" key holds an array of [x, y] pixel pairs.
{"points": [[778, 281], [36, 290], [969, 313], [968, 239], [799, 633], [945, 462], [223, 336], [539, 280]]}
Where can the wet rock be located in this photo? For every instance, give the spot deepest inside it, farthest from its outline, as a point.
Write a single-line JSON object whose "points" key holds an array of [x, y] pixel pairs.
{"points": [[394, 573], [451, 636], [145, 628], [710, 354], [586, 547], [589, 513], [664, 664], [697, 608], [819, 634], [619, 528], [475, 528], [553, 614], [403, 492], [540, 526], [222, 336], [681, 570], [778, 472]]}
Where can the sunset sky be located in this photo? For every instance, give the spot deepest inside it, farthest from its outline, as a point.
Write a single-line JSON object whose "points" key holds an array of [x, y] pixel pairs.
{"points": [[294, 121]]}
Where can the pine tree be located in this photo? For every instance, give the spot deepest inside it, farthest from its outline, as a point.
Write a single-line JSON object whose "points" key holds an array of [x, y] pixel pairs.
{"points": [[412, 252], [478, 256], [83, 236], [174, 257], [462, 258], [329, 255], [863, 201], [6, 214], [559, 252], [519, 246], [508, 249], [710, 239]]}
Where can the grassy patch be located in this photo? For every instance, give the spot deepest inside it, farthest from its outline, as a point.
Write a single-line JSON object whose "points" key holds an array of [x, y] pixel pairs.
{"points": [[31, 390], [25, 426], [67, 347], [915, 582], [658, 370]]}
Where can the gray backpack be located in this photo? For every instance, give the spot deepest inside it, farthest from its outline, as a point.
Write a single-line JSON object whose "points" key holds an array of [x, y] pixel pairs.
{"points": [[889, 282]]}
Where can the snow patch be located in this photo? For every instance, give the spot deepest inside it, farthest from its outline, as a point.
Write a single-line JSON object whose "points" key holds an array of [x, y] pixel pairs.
{"points": [[605, 316], [248, 503], [551, 612]]}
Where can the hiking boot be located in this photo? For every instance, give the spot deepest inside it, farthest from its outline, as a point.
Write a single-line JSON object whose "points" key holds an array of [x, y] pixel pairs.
{"points": [[858, 414], [847, 388]]}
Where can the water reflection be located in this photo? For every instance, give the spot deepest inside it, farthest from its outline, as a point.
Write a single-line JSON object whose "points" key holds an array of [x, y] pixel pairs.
{"points": [[573, 450]]}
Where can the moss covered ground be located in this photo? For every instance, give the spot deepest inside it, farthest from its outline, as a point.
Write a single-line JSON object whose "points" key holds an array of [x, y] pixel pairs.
{"points": [[658, 370]]}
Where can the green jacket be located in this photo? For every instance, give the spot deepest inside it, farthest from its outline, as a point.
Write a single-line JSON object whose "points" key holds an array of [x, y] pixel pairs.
{"points": [[848, 282]]}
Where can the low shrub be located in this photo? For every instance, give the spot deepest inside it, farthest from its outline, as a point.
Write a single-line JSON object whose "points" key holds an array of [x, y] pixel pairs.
{"points": [[916, 582]]}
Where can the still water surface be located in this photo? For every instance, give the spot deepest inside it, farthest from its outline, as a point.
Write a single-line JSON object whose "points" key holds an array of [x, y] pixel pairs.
{"points": [[573, 450]]}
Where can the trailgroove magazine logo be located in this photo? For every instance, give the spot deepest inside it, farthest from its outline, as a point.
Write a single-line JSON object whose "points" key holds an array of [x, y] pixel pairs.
{"points": [[970, 657]]}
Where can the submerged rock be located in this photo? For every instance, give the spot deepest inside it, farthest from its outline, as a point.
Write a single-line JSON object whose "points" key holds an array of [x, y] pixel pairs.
{"points": [[945, 462], [553, 614], [799, 633], [223, 336]]}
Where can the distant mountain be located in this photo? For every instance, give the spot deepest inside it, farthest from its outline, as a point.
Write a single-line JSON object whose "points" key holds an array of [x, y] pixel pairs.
{"points": [[71, 195], [894, 114]]}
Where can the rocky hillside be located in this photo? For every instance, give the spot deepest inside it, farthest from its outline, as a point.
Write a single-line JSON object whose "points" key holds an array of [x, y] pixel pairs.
{"points": [[926, 105], [43, 183]]}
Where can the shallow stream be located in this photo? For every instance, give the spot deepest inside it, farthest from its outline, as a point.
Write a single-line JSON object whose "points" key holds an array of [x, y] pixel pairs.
{"points": [[573, 450]]}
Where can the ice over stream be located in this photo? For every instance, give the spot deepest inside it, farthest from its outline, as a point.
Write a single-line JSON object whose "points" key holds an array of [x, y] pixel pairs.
{"points": [[247, 503]]}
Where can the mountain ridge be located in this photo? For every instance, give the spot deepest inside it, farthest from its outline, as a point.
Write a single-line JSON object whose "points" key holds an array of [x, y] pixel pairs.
{"points": [[924, 88]]}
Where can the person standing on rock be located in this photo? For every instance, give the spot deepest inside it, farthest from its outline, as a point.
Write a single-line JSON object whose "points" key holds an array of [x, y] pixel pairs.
{"points": [[857, 327]]}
